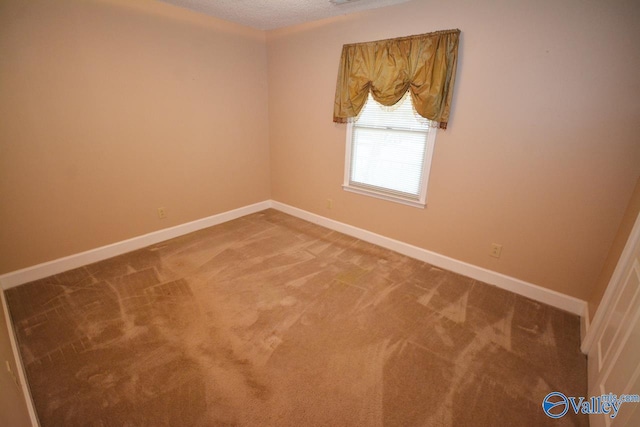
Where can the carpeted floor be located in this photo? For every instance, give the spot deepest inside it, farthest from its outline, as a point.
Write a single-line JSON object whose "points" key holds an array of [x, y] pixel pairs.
{"points": [[269, 320]]}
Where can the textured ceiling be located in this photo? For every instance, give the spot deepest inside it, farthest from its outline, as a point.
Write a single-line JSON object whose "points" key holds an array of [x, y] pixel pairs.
{"points": [[271, 14]]}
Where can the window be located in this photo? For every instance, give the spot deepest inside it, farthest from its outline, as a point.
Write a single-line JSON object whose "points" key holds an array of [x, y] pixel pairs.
{"points": [[389, 152]]}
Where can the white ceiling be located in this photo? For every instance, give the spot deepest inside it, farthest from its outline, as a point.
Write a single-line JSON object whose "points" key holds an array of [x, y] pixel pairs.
{"points": [[271, 14]]}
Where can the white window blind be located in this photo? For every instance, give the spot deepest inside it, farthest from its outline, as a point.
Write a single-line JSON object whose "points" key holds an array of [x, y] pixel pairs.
{"points": [[389, 152]]}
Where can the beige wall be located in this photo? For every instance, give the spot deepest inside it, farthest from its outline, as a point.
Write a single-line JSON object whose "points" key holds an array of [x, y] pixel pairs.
{"points": [[111, 109], [542, 151], [629, 219]]}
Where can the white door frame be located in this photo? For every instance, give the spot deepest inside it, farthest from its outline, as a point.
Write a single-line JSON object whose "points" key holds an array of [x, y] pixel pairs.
{"points": [[606, 305], [611, 343]]}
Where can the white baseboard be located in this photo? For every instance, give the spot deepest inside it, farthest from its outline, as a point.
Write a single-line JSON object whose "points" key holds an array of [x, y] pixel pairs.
{"points": [[529, 290], [50, 268], [535, 292], [22, 377]]}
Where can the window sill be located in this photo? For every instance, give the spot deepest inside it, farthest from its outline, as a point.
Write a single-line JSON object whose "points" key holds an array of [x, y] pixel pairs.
{"points": [[384, 196]]}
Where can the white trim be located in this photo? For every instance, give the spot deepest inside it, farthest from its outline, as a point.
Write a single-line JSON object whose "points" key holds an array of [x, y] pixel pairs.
{"points": [[24, 385], [529, 290], [585, 323], [606, 304], [50, 268], [538, 293]]}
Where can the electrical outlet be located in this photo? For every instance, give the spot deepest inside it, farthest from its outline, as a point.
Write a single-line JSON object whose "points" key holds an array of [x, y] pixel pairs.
{"points": [[329, 204], [496, 250], [162, 213]]}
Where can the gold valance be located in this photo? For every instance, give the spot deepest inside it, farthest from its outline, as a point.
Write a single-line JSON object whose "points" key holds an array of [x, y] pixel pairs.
{"points": [[424, 64]]}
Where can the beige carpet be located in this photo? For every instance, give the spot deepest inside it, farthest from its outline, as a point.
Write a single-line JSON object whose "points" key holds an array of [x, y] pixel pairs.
{"points": [[272, 321]]}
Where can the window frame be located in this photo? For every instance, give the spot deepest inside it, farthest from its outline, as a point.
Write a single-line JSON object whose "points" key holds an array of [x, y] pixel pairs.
{"points": [[421, 200]]}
